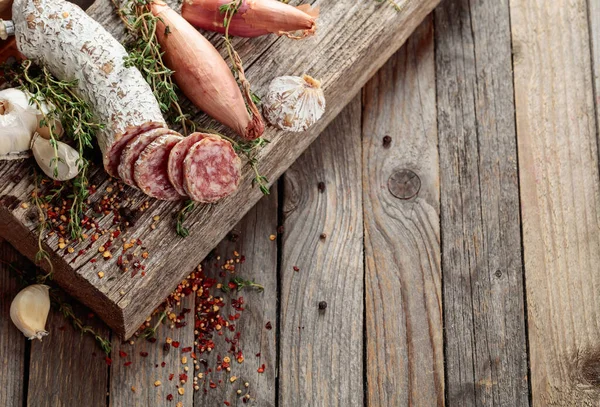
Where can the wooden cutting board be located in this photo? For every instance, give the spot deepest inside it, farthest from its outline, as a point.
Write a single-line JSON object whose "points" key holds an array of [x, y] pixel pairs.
{"points": [[354, 39]]}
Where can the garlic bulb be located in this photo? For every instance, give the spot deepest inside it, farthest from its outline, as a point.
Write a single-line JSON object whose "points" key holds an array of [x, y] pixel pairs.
{"points": [[29, 310], [294, 103], [19, 120], [63, 169], [17, 124]]}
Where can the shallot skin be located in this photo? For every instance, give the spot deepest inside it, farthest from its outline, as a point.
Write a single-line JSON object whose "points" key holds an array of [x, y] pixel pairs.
{"points": [[202, 74], [254, 18]]}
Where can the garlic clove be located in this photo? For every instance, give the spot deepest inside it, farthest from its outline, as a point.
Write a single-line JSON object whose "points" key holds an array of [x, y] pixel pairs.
{"points": [[63, 169], [16, 129], [294, 103], [29, 310]]}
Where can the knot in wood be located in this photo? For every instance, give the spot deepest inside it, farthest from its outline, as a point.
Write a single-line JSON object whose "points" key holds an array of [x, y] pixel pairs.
{"points": [[404, 184]]}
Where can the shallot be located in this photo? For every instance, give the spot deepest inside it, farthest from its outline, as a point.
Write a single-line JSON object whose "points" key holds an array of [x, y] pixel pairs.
{"points": [[202, 74], [253, 17]]}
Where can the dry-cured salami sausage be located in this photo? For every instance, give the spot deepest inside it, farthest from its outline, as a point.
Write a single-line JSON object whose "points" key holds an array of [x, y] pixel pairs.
{"points": [[74, 46], [211, 170], [132, 151], [176, 157], [150, 170]]}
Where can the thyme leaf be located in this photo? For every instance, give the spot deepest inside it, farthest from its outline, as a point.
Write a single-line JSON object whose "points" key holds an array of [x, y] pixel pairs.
{"points": [[181, 230]]}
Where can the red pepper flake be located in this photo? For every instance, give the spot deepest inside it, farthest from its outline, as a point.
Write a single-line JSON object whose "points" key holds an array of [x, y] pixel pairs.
{"points": [[296, 268], [139, 242], [258, 355], [108, 360], [116, 233], [93, 261], [231, 285], [175, 344], [171, 376], [127, 363], [268, 325], [122, 354], [169, 397], [120, 261], [261, 369], [183, 377], [227, 403], [163, 364], [143, 354], [186, 350], [212, 385]]}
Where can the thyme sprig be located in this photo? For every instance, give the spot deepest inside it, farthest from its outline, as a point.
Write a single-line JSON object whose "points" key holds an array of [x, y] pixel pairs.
{"points": [[180, 229], [145, 54], [150, 332], [239, 284], [77, 120], [43, 225]]}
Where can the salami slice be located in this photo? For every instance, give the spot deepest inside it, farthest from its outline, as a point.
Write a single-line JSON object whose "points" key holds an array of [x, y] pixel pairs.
{"points": [[150, 170], [177, 156], [211, 170], [132, 151], [73, 46]]}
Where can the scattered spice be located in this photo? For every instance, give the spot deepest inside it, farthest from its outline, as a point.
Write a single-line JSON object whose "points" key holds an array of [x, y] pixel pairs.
{"points": [[321, 186], [268, 325], [387, 141], [272, 237], [296, 268], [322, 305], [261, 369]]}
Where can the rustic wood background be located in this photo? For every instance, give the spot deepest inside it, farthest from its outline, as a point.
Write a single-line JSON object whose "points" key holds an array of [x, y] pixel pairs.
{"points": [[477, 287]]}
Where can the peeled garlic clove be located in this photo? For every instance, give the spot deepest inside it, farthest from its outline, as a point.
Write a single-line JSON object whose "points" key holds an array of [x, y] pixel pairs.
{"points": [[294, 103], [63, 169], [29, 310]]}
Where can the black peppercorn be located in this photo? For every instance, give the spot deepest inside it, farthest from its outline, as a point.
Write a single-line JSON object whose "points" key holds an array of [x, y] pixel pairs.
{"points": [[322, 305]]}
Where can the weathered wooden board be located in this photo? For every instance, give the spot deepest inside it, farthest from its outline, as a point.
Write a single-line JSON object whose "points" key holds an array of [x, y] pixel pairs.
{"points": [[12, 341], [560, 197], [483, 275], [354, 39], [321, 350], [404, 358]]}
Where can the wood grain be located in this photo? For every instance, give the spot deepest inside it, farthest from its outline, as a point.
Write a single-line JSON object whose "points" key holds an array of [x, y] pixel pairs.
{"points": [[321, 350], [135, 384], [67, 367], [405, 354], [594, 35], [353, 41], [12, 341], [560, 197], [250, 238], [486, 349]]}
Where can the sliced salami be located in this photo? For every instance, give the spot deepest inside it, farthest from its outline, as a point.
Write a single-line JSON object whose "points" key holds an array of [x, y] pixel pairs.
{"points": [[211, 170], [73, 46], [132, 151], [177, 156], [150, 170]]}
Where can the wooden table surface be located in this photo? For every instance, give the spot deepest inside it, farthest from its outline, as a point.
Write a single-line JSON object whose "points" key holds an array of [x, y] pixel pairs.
{"points": [[460, 199]]}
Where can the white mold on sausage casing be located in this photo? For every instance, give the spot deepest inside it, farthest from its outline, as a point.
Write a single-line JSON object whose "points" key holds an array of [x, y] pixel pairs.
{"points": [[73, 46]]}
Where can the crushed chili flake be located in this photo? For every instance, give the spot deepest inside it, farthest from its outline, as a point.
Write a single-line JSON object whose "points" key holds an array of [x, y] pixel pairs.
{"points": [[163, 364], [296, 268], [127, 363], [143, 354], [175, 344], [212, 385], [122, 354], [171, 376], [108, 360], [187, 349], [268, 325], [169, 397], [261, 369]]}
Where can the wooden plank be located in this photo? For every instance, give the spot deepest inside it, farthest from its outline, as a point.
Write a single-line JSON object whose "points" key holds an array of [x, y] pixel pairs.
{"points": [[12, 341], [486, 341], [405, 353], [594, 22], [321, 351], [260, 309], [134, 373], [353, 41], [560, 197], [67, 367]]}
